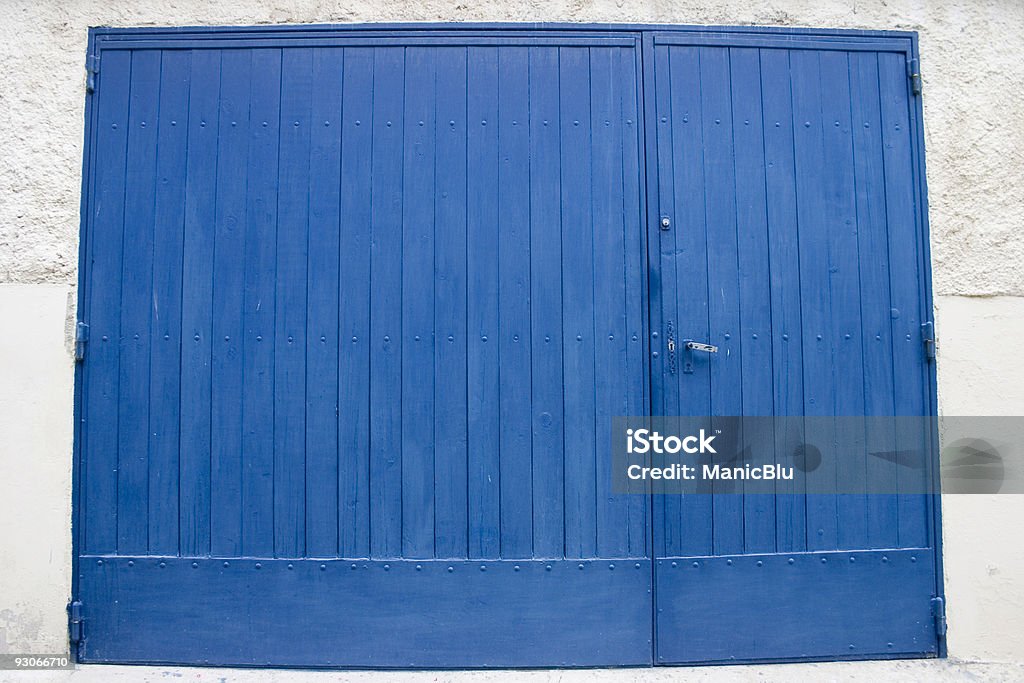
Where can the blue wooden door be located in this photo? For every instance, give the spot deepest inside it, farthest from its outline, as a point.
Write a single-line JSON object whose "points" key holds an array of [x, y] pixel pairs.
{"points": [[360, 309], [786, 232]]}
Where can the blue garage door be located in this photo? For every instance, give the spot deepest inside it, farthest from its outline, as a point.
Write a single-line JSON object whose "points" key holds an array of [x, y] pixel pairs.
{"points": [[358, 308]]}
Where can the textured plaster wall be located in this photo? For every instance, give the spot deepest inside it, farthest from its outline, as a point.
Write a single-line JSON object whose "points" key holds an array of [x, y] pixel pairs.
{"points": [[973, 67]]}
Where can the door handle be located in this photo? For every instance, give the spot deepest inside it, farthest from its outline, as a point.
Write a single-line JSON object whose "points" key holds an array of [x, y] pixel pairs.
{"points": [[689, 346]]}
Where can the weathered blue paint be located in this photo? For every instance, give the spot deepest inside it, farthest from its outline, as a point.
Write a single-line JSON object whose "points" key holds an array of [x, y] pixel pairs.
{"points": [[369, 296]]}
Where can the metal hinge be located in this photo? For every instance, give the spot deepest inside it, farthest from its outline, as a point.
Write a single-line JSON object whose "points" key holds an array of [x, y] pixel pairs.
{"points": [[75, 630], [81, 339], [939, 613], [928, 338], [914, 74], [92, 68]]}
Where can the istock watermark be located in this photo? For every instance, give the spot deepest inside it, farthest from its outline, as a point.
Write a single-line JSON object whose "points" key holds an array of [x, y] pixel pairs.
{"points": [[881, 455]]}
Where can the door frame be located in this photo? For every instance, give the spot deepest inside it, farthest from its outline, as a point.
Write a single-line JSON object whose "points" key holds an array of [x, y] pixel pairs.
{"points": [[640, 35]]}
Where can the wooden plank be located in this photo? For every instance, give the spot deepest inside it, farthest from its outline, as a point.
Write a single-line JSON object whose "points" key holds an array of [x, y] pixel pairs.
{"points": [[260, 307], [417, 273], [165, 350], [513, 339], [228, 305], [546, 304], [322, 302], [354, 300], [724, 313], [784, 264], [578, 303], [386, 305], [816, 299], [872, 237], [290, 309], [754, 286], [482, 362], [100, 452], [634, 258], [136, 296], [610, 341], [451, 523], [839, 181], [196, 299]]}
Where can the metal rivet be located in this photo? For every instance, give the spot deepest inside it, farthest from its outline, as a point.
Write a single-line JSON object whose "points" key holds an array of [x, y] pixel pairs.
{"points": [[260, 566], [174, 123], [696, 564], [387, 338], [259, 337], [547, 567], [451, 338], [323, 339], [419, 567], [718, 121], [755, 336], [387, 567], [417, 337], [515, 337], [575, 123], [727, 335], [807, 124], [611, 567], [913, 558], [611, 337], [547, 338], [846, 336], [884, 558], [291, 566], [819, 337], [227, 338], [162, 565], [851, 647], [167, 336], [327, 123], [196, 337], [451, 123], [225, 564], [359, 123], [421, 123], [99, 561], [483, 567], [579, 566], [202, 124], [131, 563], [853, 559], [636, 566], [483, 338], [389, 124], [824, 560], [515, 568], [451, 569], [483, 122], [355, 339], [323, 567], [729, 562], [353, 567], [664, 119], [785, 337], [629, 122], [674, 564], [290, 339], [136, 336], [791, 560], [760, 563], [579, 337]]}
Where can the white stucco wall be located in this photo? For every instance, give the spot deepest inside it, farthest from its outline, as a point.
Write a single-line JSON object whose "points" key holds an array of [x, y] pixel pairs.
{"points": [[973, 67]]}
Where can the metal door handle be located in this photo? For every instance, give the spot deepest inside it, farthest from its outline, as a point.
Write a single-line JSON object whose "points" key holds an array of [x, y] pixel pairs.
{"points": [[689, 346]]}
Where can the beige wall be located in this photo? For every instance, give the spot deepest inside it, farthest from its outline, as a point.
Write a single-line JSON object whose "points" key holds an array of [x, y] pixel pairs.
{"points": [[974, 124]]}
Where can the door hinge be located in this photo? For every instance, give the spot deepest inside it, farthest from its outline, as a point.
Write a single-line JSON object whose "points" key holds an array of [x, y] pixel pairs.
{"points": [[81, 339], [914, 74], [928, 338], [75, 630], [939, 613], [92, 68]]}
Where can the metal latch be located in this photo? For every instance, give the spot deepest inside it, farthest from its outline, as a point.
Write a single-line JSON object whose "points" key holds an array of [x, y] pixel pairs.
{"points": [[670, 334], [689, 346]]}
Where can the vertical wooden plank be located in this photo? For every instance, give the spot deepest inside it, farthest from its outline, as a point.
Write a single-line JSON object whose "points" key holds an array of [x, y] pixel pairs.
{"points": [[754, 290], [546, 304], [844, 275], [417, 273], [136, 279], [259, 301], [102, 381], [724, 313], [909, 367], [196, 299], [633, 225], [386, 305], [483, 360], [873, 250], [578, 303], [784, 264], [290, 320], [513, 342], [689, 517], [322, 292], [354, 301], [451, 523], [228, 292], [610, 341], [165, 350], [813, 217]]}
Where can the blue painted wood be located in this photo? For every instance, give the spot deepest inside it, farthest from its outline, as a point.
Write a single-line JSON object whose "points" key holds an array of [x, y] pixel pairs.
{"points": [[837, 605], [136, 292], [775, 173], [259, 301], [165, 350], [382, 614], [228, 305]]}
